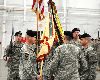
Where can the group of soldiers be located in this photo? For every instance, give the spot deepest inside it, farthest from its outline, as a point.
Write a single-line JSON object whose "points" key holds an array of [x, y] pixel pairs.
{"points": [[75, 59]]}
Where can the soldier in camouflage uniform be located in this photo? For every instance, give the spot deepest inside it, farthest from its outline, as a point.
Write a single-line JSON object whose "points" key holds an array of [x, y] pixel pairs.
{"points": [[96, 46], [28, 64], [64, 65], [12, 54], [75, 35], [87, 59]]}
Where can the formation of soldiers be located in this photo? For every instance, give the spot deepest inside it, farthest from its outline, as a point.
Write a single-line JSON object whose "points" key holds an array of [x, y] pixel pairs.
{"points": [[76, 59]]}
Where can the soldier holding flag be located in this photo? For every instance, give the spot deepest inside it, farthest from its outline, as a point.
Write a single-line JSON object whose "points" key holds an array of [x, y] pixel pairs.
{"points": [[64, 65], [28, 64]]}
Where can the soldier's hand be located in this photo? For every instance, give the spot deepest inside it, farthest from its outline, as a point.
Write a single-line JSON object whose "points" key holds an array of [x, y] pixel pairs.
{"points": [[39, 77], [5, 58], [8, 59]]}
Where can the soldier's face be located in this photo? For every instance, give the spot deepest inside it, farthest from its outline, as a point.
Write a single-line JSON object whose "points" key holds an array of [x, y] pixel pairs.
{"points": [[83, 41], [18, 38], [76, 34], [65, 39], [34, 40], [30, 39]]}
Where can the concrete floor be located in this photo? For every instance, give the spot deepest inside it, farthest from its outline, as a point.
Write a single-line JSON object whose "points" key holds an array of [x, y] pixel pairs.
{"points": [[3, 71]]}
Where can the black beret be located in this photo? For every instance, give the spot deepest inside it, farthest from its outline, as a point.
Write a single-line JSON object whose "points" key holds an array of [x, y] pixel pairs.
{"points": [[19, 32], [75, 29], [32, 33], [68, 33], [84, 35]]}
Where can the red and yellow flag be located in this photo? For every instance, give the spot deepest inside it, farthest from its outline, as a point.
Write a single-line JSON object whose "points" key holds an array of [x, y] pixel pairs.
{"points": [[47, 41], [38, 8]]}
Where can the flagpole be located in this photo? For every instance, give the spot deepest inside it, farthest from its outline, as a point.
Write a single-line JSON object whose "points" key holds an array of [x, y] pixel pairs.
{"points": [[37, 26], [38, 39], [37, 33], [41, 78]]}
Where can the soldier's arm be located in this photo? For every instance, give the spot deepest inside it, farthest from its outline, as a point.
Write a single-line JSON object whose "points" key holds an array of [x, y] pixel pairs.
{"points": [[92, 64], [52, 67], [6, 52]]}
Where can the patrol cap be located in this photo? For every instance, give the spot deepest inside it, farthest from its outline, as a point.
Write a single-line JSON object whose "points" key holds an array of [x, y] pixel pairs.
{"points": [[19, 32], [68, 33], [84, 35], [75, 29], [33, 33]]}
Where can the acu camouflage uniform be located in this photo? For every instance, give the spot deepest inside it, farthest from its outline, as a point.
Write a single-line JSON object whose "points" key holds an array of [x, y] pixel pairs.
{"points": [[28, 64], [96, 47], [64, 65], [88, 62], [13, 51], [77, 43]]}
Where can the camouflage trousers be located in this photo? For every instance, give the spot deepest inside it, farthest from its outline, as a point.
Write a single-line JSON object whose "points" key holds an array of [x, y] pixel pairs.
{"points": [[13, 74]]}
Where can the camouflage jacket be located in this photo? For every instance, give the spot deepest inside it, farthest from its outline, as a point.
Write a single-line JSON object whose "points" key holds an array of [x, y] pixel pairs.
{"points": [[77, 43], [13, 51], [96, 47], [28, 63], [64, 65], [88, 62]]}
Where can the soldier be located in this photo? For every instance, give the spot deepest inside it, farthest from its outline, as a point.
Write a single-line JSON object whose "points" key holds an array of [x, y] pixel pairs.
{"points": [[64, 65], [28, 64], [96, 46], [75, 35], [12, 54], [88, 59]]}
